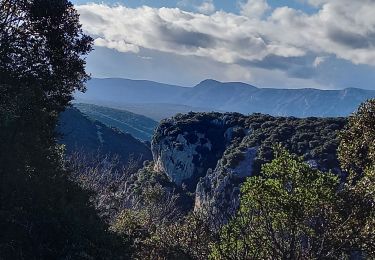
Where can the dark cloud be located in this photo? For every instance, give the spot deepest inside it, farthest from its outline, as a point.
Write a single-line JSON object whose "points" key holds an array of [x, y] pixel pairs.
{"points": [[180, 36], [349, 39], [297, 67]]}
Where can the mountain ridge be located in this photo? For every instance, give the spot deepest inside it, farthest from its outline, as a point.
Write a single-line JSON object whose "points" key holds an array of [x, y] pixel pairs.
{"points": [[212, 95]]}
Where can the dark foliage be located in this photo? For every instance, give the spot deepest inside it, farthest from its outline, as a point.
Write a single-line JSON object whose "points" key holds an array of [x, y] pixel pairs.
{"points": [[43, 215], [313, 138], [80, 133]]}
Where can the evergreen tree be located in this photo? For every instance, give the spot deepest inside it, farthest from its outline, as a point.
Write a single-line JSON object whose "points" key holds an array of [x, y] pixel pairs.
{"points": [[357, 157], [43, 215], [285, 214]]}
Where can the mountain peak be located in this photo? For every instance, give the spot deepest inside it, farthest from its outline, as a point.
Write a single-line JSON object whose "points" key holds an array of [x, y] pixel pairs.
{"points": [[232, 85], [209, 82]]}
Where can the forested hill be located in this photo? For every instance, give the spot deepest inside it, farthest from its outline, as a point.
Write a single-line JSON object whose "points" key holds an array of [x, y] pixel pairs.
{"points": [[90, 137], [211, 95], [138, 126], [212, 153]]}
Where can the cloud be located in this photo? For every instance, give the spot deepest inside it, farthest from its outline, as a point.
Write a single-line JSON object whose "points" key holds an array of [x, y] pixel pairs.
{"points": [[207, 7], [203, 7], [185, 70], [344, 29], [254, 8], [119, 45]]}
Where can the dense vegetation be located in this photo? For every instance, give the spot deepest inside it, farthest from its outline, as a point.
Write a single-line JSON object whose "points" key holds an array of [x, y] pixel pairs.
{"points": [[51, 208], [290, 211], [43, 214], [295, 212], [313, 138]]}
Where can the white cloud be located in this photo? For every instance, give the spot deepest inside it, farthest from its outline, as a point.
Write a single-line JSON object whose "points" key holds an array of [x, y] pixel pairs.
{"points": [[316, 3], [201, 6], [343, 28], [207, 7], [119, 45], [254, 8]]}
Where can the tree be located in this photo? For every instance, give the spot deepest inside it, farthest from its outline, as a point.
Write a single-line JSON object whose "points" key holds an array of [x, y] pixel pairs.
{"points": [[295, 212], [357, 147], [285, 214], [43, 214], [357, 157]]}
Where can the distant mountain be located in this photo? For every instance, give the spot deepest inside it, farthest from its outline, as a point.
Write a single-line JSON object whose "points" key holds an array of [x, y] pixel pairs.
{"points": [[125, 91], [159, 111], [79, 133], [243, 98], [148, 98], [160, 100], [138, 126]]}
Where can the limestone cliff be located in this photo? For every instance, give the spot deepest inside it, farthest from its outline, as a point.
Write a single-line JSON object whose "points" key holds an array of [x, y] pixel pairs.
{"points": [[211, 154], [185, 149]]}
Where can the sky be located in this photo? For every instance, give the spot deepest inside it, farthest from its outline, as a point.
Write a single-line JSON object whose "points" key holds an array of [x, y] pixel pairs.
{"points": [[326, 44]]}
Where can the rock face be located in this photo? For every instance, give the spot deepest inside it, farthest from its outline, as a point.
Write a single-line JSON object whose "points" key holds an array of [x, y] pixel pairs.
{"points": [[212, 154], [180, 159], [185, 152], [217, 194]]}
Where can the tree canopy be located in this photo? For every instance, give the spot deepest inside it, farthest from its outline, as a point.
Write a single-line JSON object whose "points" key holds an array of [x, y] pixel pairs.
{"points": [[43, 214], [284, 214]]}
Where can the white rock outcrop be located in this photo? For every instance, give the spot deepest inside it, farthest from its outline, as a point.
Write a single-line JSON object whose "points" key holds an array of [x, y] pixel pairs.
{"points": [[178, 158]]}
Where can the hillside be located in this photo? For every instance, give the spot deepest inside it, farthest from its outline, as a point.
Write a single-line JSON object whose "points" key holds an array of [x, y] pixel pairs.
{"points": [[158, 100], [138, 126], [211, 153], [79, 133]]}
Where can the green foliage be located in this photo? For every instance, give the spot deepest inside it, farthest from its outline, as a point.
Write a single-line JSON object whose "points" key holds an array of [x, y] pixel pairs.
{"points": [[313, 138], [289, 211], [153, 207], [357, 149], [43, 214], [357, 157], [285, 214], [188, 237], [363, 192]]}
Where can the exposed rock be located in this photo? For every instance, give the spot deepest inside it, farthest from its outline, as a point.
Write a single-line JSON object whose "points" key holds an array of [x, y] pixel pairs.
{"points": [[187, 147], [313, 164], [218, 192], [185, 155], [245, 167], [179, 158]]}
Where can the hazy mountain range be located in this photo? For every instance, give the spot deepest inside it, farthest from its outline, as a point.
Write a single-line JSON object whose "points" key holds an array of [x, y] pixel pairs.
{"points": [[157, 100]]}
